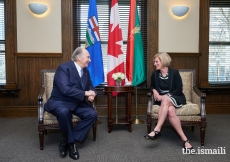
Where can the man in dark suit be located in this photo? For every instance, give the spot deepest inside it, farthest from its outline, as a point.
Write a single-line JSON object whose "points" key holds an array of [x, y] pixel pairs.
{"points": [[70, 91]]}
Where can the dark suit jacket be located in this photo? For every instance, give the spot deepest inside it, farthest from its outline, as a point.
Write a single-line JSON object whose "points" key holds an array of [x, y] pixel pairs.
{"points": [[175, 83], [68, 89]]}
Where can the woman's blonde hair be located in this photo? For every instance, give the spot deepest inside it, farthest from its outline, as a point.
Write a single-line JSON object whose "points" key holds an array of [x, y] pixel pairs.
{"points": [[164, 58]]}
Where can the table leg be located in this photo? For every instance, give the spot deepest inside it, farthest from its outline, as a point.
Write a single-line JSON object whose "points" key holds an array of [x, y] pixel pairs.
{"points": [[110, 121], [110, 128], [129, 107]]}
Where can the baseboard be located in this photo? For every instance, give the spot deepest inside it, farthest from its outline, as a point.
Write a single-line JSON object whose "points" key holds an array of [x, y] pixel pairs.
{"points": [[218, 108], [18, 111]]}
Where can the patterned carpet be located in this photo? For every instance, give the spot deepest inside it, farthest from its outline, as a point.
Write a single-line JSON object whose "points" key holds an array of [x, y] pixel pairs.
{"points": [[19, 142]]}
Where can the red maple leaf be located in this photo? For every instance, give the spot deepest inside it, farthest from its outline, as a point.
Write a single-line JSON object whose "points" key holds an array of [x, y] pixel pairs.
{"points": [[115, 41]]}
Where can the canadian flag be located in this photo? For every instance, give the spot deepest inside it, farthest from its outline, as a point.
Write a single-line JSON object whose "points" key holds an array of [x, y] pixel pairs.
{"points": [[115, 57]]}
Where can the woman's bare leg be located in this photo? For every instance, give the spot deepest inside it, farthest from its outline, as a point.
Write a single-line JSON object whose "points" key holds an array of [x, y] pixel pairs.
{"points": [[162, 114], [175, 122]]}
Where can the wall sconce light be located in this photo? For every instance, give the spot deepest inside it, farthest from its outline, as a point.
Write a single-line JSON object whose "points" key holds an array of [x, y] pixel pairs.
{"points": [[38, 8], [179, 10]]}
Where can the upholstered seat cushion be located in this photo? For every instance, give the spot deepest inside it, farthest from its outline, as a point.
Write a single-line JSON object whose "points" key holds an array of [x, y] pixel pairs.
{"points": [[188, 112], [51, 119]]}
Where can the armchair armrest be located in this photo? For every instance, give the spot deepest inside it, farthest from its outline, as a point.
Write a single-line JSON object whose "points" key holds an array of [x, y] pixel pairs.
{"points": [[150, 102], [41, 98], [199, 98]]}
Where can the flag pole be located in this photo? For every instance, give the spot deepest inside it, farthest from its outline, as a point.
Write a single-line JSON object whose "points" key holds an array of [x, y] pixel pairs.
{"points": [[116, 110], [137, 120]]}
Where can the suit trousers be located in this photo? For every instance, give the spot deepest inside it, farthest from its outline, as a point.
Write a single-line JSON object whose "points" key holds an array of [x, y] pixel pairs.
{"points": [[88, 116]]}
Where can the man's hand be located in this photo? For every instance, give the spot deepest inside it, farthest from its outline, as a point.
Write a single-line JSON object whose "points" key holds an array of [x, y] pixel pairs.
{"points": [[90, 93], [91, 98]]}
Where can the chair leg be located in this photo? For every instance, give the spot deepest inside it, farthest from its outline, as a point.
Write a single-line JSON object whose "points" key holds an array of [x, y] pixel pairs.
{"points": [[202, 135], [94, 131], [41, 139], [149, 125], [192, 128]]}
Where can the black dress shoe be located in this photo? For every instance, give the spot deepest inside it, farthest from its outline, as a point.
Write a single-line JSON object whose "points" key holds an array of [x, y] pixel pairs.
{"points": [[157, 134], [63, 148], [73, 152]]}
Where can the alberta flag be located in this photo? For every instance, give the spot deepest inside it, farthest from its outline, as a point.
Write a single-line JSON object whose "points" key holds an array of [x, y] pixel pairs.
{"points": [[135, 66], [93, 45]]}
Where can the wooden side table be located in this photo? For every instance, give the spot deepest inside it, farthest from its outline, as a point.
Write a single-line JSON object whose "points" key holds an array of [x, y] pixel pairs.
{"points": [[128, 90]]}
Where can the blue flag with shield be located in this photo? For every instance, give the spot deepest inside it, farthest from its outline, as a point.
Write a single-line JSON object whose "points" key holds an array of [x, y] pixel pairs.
{"points": [[93, 45]]}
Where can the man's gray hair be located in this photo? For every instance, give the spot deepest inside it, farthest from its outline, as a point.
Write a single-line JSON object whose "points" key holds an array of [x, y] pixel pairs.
{"points": [[77, 52]]}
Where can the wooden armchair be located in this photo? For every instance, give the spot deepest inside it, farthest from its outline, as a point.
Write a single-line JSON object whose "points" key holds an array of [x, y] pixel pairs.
{"points": [[47, 120], [192, 114]]}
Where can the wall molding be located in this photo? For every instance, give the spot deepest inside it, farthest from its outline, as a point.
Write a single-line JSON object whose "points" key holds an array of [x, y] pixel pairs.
{"points": [[33, 55], [184, 54]]}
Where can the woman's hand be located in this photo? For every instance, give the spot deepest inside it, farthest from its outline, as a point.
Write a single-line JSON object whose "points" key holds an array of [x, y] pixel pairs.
{"points": [[158, 97]]}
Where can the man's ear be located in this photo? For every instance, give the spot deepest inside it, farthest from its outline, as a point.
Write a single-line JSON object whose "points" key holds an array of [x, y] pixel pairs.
{"points": [[78, 57]]}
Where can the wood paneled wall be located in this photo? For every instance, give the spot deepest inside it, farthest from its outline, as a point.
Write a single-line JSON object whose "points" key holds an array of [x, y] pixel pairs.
{"points": [[24, 69]]}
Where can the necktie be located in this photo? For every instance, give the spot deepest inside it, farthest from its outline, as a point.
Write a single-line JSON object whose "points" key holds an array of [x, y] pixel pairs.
{"points": [[81, 75], [81, 72]]}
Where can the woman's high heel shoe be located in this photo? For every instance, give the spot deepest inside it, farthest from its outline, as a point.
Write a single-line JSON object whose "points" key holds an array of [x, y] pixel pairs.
{"points": [[184, 144], [188, 150], [157, 134]]}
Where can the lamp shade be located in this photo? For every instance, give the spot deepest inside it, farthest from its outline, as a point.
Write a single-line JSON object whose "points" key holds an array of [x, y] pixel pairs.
{"points": [[180, 10], [38, 8]]}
